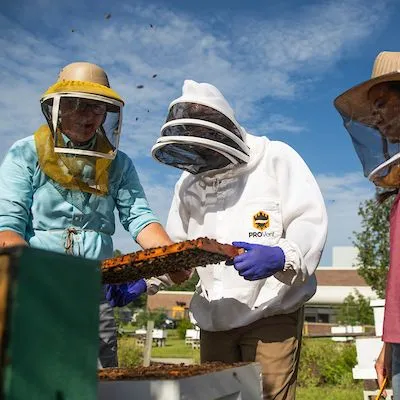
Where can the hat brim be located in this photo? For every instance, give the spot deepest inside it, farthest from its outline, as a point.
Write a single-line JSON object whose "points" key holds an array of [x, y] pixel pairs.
{"points": [[84, 87], [354, 103]]}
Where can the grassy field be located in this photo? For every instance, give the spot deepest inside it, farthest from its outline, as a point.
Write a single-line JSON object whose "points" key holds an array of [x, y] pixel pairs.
{"points": [[130, 355], [330, 393], [175, 348]]}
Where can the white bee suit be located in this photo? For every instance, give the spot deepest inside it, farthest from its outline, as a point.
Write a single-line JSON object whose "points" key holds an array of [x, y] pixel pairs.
{"points": [[275, 186]]}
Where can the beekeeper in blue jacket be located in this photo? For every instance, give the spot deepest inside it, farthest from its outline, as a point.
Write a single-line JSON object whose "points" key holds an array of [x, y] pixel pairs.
{"points": [[59, 187]]}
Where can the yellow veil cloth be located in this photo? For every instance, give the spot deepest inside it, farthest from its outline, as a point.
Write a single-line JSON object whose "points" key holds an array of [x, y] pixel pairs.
{"points": [[74, 172]]}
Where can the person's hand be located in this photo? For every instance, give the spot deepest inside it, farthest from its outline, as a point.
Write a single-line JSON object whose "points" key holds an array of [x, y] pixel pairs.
{"points": [[383, 365], [119, 295], [258, 261], [180, 276], [11, 239]]}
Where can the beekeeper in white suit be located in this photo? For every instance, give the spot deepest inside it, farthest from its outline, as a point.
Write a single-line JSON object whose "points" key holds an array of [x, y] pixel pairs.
{"points": [[260, 195]]}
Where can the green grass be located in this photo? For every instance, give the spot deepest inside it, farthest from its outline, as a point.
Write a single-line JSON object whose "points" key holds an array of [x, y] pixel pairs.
{"points": [[127, 327], [330, 393], [175, 348], [172, 333]]}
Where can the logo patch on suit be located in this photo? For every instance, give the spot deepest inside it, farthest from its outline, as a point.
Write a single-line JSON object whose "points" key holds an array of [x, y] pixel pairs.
{"points": [[261, 221]]}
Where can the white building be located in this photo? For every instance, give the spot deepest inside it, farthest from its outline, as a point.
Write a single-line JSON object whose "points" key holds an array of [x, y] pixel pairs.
{"points": [[335, 283]]}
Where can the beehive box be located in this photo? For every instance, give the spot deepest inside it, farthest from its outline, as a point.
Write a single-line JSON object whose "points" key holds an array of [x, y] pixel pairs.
{"points": [[209, 381], [49, 310]]}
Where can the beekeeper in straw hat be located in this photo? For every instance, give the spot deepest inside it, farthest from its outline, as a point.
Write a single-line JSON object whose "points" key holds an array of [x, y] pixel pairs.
{"points": [[371, 115], [59, 187], [260, 195]]}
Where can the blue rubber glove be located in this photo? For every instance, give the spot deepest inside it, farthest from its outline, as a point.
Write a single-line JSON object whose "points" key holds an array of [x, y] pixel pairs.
{"points": [[258, 261], [119, 295]]}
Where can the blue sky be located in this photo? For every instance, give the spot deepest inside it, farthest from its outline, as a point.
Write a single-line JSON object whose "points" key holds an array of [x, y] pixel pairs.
{"points": [[279, 65]]}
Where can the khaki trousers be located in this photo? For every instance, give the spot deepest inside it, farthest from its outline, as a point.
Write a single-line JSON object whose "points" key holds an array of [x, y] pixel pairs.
{"points": [[274, 342]]}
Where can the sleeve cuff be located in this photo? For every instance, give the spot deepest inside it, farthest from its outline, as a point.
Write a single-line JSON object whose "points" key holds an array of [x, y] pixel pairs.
{"points": [[291, 272], [14, 226], [140, 223]]}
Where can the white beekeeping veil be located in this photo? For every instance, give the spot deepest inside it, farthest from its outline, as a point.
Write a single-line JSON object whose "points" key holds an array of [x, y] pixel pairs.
{"points": [[201, 132]]}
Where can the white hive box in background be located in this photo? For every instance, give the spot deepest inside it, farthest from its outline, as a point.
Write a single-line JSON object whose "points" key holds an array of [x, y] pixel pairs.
{"points": [[367, 352]]}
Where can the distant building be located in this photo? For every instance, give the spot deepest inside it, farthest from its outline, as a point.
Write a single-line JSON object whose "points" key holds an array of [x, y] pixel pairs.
{"points": [[176, 304], [335, 283]]}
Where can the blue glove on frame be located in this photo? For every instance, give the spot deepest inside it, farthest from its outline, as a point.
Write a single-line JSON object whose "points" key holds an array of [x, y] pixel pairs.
{"points": [[258, 261], [119, 295]]}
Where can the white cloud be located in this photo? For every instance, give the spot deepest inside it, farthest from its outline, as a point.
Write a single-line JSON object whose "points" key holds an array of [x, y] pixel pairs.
{"points": [[248, 61], [315, 36], [251, 61], [275, 123], [343, 194]]}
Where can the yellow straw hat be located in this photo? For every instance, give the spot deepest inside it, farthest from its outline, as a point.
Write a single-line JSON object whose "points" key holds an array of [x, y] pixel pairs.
{"points": [[83, 77]]}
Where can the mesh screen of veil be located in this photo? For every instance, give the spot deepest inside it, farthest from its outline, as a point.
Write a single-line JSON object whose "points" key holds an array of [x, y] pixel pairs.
{"points": [[200, 132], [192, 158], [372, 148], [205, 113], [76, 116]]}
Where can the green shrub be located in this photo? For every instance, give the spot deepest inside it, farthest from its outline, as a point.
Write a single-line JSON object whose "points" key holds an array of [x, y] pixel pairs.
{"points": [[325, 362], [158, 316], [128, 354], [355, 310], [183, 324]]}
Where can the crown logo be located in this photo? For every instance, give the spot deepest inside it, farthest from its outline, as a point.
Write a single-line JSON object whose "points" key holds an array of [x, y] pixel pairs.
{"points": [[261, 220]]}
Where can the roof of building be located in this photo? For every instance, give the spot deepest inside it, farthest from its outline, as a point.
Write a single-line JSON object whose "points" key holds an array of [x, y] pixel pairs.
{"points": [[330, 276], [168, 300]]}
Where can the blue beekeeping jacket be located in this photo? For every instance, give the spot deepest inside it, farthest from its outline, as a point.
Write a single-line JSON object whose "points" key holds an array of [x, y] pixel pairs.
{"points": [[51, 217]]}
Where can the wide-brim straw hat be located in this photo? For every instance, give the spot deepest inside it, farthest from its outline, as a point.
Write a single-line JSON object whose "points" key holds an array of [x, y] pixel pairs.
{"points": [[354, 103]]}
